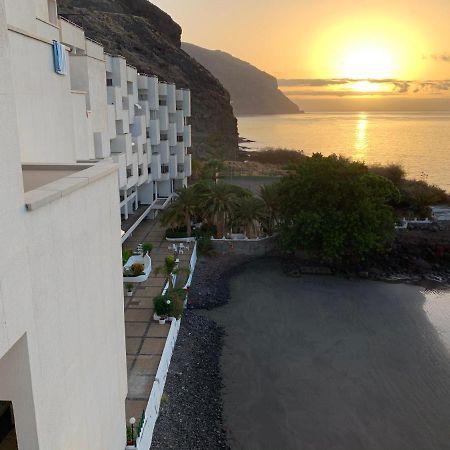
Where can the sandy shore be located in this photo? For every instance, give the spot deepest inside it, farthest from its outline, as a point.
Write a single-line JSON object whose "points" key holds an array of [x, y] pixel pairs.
{"points": [[325, 363]]}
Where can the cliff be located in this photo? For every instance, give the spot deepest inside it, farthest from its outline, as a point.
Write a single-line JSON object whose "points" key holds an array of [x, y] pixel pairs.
{"points": [[151, 41], [252, 90]]}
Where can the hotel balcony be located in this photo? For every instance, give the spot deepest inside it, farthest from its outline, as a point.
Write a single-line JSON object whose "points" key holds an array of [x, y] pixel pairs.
{"points": [[156, 166], [165, 175], [180, 121], [171, 98], [155, 132], [153, 93], [173, 168], [187, 135], [187, 102], [71, 34], [163, 118], [164, 151], [181, 152], [122, 144], [121, 160], [188, 165], [162, 89], [45, 183], [172, 134]]}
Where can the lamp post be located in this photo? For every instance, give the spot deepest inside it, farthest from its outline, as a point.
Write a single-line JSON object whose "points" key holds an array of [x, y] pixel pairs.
{"points": [[132, 422]]}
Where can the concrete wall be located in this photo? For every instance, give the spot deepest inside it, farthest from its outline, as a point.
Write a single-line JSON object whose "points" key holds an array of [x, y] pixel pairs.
{"points": [[62, 345], [248, 247]]}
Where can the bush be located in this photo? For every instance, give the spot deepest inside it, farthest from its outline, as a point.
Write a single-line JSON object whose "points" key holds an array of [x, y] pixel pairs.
{"points": [[176, 233], [126, 255], [147, 247], [137, 269], [177, 306], [334, 208], [278, 156], [163, 305]]}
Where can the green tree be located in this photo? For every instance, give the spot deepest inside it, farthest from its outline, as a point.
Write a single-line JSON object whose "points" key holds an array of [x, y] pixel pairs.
{"points": [[334, 208], [249, 213], [182, 209], [271, 197]]}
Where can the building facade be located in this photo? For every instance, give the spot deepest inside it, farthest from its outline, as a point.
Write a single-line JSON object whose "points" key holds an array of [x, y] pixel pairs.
{"points": [[81, 150]]}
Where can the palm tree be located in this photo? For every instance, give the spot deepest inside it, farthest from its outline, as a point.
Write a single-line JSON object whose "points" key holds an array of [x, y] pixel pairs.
{"points": [[249, 214], [270, 196], [182, 209], [217, 202]]}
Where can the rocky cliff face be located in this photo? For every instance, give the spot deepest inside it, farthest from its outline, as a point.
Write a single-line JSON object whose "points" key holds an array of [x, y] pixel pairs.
{"points": [[150, 40], [252, 90]]}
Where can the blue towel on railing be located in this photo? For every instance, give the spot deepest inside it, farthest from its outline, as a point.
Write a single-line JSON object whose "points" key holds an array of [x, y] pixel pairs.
{"points": [[59, 58]]}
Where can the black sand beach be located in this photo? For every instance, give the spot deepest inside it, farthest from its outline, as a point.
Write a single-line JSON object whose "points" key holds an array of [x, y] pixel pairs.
{"points": [[325, 363]]}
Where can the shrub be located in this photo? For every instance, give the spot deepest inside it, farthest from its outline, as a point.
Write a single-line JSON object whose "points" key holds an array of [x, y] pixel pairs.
{"points": [[126, 255], [278, 156], [137, 269], [163, 305], [147, 247], [177, 306], [176, 233]]}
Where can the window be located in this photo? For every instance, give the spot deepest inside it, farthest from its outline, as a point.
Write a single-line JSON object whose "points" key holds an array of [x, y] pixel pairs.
{"points": [[180, 138], [109, 82], [164, 168]]}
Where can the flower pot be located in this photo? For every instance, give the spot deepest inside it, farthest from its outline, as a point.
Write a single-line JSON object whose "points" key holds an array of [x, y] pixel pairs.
{"points": [[162, 321], [129, 293], [156, 317]]}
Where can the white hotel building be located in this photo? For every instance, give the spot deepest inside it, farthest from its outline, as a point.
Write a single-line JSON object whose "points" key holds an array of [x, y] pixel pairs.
{"points": [[76, 149]]}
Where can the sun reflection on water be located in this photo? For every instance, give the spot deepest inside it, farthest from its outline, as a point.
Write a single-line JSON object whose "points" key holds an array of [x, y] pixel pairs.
{"points": [[361, 143]]}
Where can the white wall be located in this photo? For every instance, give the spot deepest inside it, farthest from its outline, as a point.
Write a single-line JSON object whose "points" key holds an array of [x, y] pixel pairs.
{"points": [[62, 344]]}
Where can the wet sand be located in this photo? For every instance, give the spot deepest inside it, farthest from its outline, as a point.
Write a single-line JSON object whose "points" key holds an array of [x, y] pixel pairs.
{"points": [[322, 363]]}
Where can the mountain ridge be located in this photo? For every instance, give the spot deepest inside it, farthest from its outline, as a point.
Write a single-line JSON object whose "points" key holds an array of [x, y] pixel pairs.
{"points": [[151, 41], [252, 90]]}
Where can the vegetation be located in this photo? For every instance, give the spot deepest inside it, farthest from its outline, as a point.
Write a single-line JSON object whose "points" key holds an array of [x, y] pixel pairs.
{"points": [[416, 196], [162, 305], [170, 268], [147, 247], [330, 206], [278, 156], [334, 208], [171, 304], [126, 255]]}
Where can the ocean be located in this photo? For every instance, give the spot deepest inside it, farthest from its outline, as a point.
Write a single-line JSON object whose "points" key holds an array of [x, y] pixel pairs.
{"points": [[419, 141]]}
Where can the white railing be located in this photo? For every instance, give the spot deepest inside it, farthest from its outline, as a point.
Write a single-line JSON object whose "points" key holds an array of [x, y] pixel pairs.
{"points": [[192, 264], [144, 440]]}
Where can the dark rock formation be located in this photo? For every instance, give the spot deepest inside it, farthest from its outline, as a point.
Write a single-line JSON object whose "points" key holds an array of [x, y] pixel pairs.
{"points": [[252, 90], [150, 40]]}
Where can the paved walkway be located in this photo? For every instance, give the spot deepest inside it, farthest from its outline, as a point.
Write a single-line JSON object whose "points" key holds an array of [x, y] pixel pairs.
{"points": [[145, 338]]}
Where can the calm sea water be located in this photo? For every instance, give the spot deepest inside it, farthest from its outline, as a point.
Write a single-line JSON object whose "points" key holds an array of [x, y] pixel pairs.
{"points": [[420, 142]]}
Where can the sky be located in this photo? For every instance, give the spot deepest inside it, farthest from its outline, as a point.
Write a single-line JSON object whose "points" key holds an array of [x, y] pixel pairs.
{"points": [[386, 54]]}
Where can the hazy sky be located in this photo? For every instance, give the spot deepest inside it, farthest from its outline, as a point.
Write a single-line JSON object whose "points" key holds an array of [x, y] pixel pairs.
{"points": [[397, 41]]}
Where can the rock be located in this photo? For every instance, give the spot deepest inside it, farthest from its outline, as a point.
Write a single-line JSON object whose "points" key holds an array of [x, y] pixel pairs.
{"points": [[151, 41]]}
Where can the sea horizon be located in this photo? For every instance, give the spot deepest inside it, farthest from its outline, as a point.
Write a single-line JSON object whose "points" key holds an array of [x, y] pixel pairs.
{"points": [[375, 137]]}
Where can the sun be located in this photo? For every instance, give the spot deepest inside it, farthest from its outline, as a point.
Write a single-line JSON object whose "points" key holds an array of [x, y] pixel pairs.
{"points": [[365, 62], [369, 48]]}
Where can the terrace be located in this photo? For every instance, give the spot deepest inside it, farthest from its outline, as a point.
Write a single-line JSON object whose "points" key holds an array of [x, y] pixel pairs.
{"points": [[145, 338]]}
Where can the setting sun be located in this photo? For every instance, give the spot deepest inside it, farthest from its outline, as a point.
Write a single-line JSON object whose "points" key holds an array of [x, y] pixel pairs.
{"points": [[368, 62], [369, 48]]}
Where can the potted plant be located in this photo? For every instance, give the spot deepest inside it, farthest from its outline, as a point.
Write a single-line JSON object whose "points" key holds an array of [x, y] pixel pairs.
{"points": [[163, 305], [147, 247], [129, 290]]}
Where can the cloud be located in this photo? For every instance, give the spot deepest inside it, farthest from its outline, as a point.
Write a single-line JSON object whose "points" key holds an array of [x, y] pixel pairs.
{"points": [[313, 82], [342, 87], [443, 57]]}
